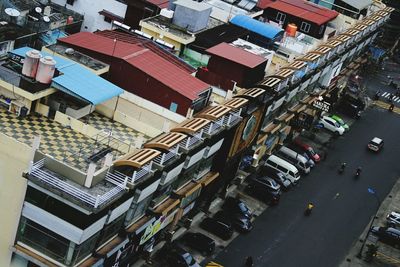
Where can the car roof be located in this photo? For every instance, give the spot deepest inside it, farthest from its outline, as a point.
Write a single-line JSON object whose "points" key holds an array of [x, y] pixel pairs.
{"points": [[327, 117], [376, 140]]}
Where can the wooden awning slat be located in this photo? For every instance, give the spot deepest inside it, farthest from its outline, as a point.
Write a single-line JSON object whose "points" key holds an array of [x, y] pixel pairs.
{"points": [[166, 141], [284, 73], [322, 50], [309, 57], [138, 158], [296, 65], [253, 92], [236, 102], [271, 81], [191, 126], [214, 113]]}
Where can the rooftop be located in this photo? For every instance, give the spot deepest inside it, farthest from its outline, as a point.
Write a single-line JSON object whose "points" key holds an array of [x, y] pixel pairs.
{"points": [[264, 29], [144, 59], [236, 55], [76, 56], [299, 8], [11, 31]]}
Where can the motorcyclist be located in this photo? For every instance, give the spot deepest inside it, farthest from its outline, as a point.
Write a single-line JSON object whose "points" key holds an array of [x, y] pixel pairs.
{"points": [[309, 208], [358, 171], [342, 167]]}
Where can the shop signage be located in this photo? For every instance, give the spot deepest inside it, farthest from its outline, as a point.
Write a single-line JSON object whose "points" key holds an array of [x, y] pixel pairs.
{"points": [[270, 141], [151, 230], [248, 129], [121, 255], [321, 104]]}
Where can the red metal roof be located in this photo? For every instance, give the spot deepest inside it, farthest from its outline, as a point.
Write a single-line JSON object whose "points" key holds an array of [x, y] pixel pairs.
{"points": [[160, 3], [303, 9], [133, 39], [142, 58], [236, 55]]}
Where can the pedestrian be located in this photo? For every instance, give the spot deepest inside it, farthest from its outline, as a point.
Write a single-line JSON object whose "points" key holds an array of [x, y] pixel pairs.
{"points": [[249, 261]]}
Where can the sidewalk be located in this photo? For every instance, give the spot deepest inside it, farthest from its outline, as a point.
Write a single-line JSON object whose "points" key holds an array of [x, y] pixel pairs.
{"points": [[387, 256]]}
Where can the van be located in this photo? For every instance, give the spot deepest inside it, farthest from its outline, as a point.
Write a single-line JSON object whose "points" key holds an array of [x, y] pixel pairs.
{"points": [[295, 158], [283, 166]]}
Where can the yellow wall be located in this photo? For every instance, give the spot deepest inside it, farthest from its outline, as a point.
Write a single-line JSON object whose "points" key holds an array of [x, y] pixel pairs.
{"points": [[14, 159], [178, 45]]}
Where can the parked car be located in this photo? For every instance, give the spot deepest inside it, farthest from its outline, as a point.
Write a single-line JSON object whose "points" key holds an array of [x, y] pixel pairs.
{"points": [[199, 242], [268, 182], [387, 235], [176, 256], [288, 169], [239, 222], [376, 144], [340, 121], [351, 106], [331, 125], [222, 229], [393, 219], [277, 176], [264, 192], [234, 205], [309, 150], [294, 158]]}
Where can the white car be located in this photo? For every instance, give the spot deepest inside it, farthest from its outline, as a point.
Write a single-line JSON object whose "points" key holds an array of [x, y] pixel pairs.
{"points": [[331, 125]]}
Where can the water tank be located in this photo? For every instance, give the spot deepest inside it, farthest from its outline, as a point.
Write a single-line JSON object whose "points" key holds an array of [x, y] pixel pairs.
{"points": [[169, 14], [31, 62], [45, 72], [291, 30]]}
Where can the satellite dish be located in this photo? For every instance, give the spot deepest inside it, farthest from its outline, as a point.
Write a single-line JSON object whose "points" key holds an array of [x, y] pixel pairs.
{"points": [[38, 9], [12, 12], [46, 19]]}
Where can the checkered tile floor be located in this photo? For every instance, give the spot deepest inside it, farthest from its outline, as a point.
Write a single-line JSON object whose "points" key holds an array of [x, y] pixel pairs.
{"points": [[56, 140], [119, 131]]}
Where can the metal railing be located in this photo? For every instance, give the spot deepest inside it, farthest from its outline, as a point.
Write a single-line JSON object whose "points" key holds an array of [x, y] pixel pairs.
{"points": [[233, 117], [78, 194], [165, 157], [137, 175]]}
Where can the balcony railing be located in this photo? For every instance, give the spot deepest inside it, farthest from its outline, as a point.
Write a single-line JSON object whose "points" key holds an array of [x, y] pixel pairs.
{"points": [[233, 117], [165, 157], [137, 175], [192, 140], [47, 177]]}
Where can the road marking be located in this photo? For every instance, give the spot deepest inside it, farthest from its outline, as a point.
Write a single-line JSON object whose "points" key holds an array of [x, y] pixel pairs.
{"points": [[385, 105], [385, 94], [396, 99]]}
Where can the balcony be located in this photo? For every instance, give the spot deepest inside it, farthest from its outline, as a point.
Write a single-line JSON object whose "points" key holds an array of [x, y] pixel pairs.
{"points": [[43, 173]]}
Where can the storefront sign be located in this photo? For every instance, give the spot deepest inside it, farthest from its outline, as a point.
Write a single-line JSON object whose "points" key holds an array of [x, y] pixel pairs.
{"points": [[321, 105], [121, 255], [151, 230]]}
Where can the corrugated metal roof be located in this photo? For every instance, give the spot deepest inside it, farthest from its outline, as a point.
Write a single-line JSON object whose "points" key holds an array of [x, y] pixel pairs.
{"points": [[263, 29], [78, 81], [236, 55], [144, 59], [303, 9], [160, 3]]}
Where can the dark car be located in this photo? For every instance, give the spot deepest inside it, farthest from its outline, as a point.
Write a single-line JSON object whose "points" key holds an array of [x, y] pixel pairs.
{"points": [[234, 205], [238, 221], [277, 176], [267, 182], [176, 256], [263, 192], [222, 229], [199, 241], [388, 235], [351, 106]]}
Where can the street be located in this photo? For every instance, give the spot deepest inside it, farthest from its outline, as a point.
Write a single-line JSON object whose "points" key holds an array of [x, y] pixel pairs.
{"points": [[283, 236]]}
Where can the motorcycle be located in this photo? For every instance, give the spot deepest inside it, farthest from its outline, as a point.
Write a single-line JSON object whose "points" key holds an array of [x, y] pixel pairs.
{"points": [[358, 173], [308, 210], [342, 167]]}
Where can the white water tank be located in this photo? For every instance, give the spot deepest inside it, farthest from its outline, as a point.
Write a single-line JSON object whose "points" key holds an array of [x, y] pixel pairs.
{"points": [[45, 73], [31, 62]]}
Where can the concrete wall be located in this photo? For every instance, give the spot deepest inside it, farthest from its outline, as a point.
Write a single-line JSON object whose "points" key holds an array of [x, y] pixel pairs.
{"points": [[14, 159], [90, 9]]}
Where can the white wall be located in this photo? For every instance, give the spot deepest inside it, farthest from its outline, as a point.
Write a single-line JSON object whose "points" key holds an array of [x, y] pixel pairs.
{"points": [[14, 158], [90, 9]]}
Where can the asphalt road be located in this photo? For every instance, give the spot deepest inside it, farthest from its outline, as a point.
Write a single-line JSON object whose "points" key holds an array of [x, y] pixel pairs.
{"points": [[283, 236]]}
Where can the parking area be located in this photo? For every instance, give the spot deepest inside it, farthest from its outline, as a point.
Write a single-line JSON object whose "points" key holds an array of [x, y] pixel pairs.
{"points": [[321, 140]]}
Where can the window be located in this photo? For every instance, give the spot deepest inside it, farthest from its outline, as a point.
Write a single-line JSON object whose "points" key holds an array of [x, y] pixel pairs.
{"points": [[137, 210], [305, 27], [112, 229], [173, 107], [205, 167], [107, 19], [84, 249], [280, 17], [321, 29]]}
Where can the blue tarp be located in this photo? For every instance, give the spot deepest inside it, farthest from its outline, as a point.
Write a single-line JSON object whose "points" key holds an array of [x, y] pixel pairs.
{"points": [[51, 37], [78, 81], [376, 52], [264, 29]]}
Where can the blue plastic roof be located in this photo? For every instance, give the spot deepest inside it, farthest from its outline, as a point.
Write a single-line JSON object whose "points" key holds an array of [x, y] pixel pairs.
{"points": [[78, 81], [261, 28]]}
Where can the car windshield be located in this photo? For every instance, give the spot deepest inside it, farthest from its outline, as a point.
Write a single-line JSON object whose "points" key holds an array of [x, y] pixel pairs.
{"points": [[188, 258], [373, 143], [273, 183], [312, 152], [243, 207]]}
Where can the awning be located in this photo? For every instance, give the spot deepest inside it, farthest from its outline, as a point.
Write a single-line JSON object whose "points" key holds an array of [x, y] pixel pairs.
{"points": [[189, 189], [208, 178], [82, 83], [165, 207], [111, 16]]}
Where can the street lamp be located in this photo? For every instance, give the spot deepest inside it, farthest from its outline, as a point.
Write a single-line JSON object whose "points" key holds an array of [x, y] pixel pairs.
{"points": [[373, 192]]}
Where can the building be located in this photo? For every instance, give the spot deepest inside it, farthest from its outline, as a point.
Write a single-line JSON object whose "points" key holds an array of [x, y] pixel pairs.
{"points": [[129, 204], [142, 68], [309, 18]]}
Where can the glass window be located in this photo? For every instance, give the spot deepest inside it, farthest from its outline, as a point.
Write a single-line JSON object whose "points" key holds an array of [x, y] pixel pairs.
{"points": [[204, 167], [305, 27], [281, 17], [43, 240], [188, 175], [139, 209], [112, 228], [84, 249]]}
